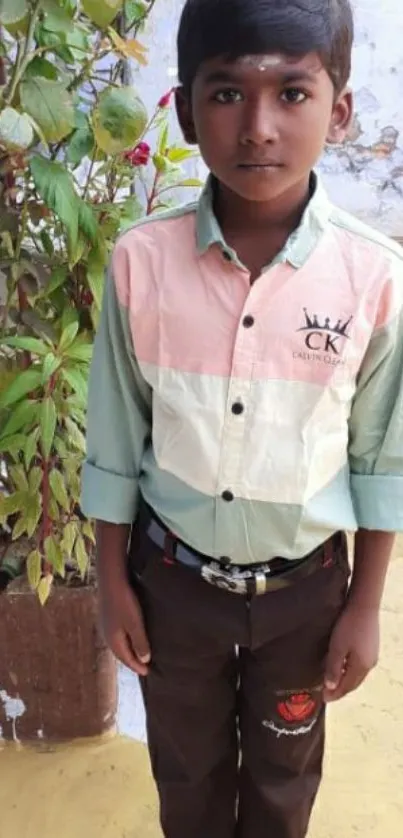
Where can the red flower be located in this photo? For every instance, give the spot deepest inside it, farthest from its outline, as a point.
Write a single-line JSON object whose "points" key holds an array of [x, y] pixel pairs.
{"points": [[166, 99], [138, 156]]}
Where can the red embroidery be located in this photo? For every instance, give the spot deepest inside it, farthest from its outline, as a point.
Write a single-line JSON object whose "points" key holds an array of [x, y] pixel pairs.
{"points": [[297, 707]]}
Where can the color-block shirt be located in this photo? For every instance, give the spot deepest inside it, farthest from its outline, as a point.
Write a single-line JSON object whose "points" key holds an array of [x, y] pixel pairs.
{"points": [[256, 420]]}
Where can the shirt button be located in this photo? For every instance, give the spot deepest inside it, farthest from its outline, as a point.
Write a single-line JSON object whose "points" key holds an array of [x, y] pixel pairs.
{"points": [[227, 496], [248, 321], [237, 408]]}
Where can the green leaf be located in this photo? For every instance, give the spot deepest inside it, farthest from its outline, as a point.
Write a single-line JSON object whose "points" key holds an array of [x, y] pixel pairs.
{"points": [[81, 555], [163, 139], [69, 537], [77, 382], [16, 131], [22, 415], [80, 145], [87, 221], [33, 515], [48, 420], [58, 278], [50, 105], [24, 383], [44, 588], [77, 439], [53, 509], [11, 504], [35, 345], [34, 566], [68, 335], [55, 186], [96, 275], [50, 365], [130, 212], [12, 11], [30, 448], [56, 18], [119, 120], [12, 444], [47, 242], [58, 487], [80, 351], [54, 555], [19, 478], [35, 479], [41, 67], [102, 12]]}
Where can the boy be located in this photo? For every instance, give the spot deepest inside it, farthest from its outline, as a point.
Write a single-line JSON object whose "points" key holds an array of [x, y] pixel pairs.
{"points": [[245, 409]]}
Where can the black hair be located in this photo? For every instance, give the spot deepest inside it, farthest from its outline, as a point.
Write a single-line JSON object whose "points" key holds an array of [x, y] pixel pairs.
{"points": [[232, 28]]}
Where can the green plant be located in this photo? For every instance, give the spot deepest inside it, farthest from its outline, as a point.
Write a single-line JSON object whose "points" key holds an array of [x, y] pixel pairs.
{"points": [[80, 160]]}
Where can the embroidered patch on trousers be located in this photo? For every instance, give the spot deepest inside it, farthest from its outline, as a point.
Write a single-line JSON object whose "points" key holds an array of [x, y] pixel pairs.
{"points": [[297, 713]]}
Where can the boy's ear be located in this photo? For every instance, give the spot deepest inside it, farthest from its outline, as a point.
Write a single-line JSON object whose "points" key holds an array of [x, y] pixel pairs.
{"points": [[342, 116], [185, 117]]}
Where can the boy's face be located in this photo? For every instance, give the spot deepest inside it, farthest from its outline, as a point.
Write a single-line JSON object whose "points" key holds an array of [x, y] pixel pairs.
{"points": [[261, 122]]}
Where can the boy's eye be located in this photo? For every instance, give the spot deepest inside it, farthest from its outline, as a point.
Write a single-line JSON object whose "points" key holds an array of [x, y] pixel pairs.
{"points": [[228, 96], [294, 96]]}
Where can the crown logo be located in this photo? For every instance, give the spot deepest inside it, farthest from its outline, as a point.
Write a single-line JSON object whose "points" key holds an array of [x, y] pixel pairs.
{"points": [[312, 322]]}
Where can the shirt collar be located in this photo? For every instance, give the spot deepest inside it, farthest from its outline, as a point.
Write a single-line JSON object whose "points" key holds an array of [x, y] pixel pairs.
{"points": [[301, 242]]}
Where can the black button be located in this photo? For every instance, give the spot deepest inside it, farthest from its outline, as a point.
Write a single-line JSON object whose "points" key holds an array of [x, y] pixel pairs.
{"points": [[227, 256], [237, 408], [227, 495], [248, 321]]}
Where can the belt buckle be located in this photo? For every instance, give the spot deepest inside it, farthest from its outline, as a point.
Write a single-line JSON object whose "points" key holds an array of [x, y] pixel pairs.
{"points": [[214, 575]]}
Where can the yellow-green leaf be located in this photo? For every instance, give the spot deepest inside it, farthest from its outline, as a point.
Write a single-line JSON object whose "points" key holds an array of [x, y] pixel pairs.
{"points": [[50, 105], [77, 439], [20, 527], [21, 415], [88, 530], [119, 120], [102, 12], [53, 509], [19, 478], [44, 588], [35, 479], [50, 365], [69, 536], [58, 488], [68, 336], [10, 504], [129, 48], [13, 444], [16, 132], [48, 420], [81, 556], [54, 555], [96, 275], [34, 564]]}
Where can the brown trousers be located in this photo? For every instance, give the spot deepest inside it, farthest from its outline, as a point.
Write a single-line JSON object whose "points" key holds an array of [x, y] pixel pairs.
{"points": [[234, 698]]}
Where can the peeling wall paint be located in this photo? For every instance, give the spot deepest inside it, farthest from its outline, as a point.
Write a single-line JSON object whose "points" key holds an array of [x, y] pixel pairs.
{"points": [[365, 176]]}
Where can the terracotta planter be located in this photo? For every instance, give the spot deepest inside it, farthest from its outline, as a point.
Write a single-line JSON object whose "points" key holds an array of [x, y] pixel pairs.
{"points": [[57, 678]]}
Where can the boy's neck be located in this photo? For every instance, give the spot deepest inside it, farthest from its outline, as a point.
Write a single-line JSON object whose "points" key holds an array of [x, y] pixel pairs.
{"points": [[266, 225]]}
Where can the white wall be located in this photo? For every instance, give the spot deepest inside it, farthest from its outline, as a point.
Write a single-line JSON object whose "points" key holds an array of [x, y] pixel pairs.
{"points": [[365, 176]]}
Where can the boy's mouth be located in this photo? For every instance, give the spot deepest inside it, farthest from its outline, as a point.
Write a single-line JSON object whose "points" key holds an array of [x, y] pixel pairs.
{"points": [[261, 166]]}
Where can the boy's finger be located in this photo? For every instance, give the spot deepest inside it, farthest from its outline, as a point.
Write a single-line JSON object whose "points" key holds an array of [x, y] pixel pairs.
{"points": [[139, 642], [122, 650], [335, 666]]}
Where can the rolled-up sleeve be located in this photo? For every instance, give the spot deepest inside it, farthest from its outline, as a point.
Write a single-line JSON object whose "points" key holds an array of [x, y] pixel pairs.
{"points": [[376, 421], [118, 418]]}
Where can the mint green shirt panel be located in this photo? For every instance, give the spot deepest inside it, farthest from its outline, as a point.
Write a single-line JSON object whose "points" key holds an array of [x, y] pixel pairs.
{"points": [[119, 419], [376, 430]]}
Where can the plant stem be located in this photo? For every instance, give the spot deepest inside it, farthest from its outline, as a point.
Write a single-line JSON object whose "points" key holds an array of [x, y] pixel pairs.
{"points": [[23, 54]]}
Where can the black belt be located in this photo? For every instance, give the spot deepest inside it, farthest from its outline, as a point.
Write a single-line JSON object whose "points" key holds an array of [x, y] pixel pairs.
{"points": [[246, 580]]}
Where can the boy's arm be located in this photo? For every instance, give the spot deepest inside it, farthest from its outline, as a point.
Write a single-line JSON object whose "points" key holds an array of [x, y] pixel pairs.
{"points": [[376, 466], [118, 424]]}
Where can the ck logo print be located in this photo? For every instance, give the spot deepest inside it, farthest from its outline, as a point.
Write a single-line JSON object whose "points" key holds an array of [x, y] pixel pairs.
{"points": [[296, 713], [323, 338]]}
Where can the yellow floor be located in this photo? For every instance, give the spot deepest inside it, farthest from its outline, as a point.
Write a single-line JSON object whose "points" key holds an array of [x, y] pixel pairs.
{"points": [[103, 789]]}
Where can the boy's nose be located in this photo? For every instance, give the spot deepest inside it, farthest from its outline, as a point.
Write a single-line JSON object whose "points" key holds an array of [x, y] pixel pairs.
{"points": [[260, 125]]}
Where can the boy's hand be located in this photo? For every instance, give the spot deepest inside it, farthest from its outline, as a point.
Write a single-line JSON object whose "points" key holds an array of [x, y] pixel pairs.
{"points": [[123, 626], [353, 651]]}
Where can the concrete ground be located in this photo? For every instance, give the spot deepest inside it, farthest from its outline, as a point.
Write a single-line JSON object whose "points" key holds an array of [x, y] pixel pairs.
{"points": [[104, 790]]}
